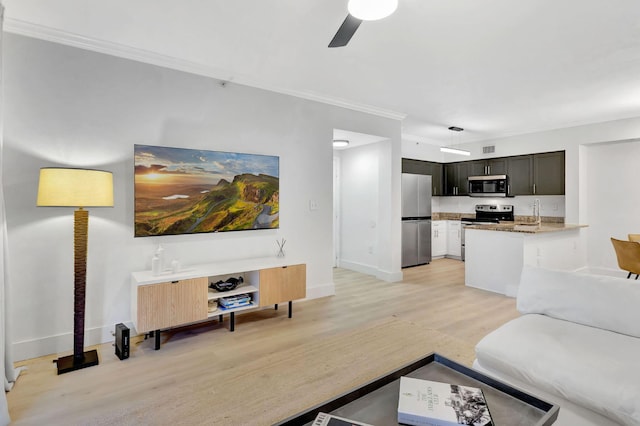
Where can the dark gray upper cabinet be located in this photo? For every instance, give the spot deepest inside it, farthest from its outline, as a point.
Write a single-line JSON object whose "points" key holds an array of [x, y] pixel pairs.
{"points": [[494, 166], [436, 178], [425, 168], [548, 173], [532, 174], [520, 172], [455, 178]]}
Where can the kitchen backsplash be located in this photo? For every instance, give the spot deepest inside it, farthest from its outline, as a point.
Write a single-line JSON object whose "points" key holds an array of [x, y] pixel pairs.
{"points": [[551, 206]]}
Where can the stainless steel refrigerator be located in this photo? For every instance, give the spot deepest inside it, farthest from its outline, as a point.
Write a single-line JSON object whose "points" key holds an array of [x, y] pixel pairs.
{"points": [[416, 219]]}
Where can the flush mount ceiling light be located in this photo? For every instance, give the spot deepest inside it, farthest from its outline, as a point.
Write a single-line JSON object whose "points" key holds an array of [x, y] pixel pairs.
{"points": [[340, 143], [455, 150], [372, 10]]}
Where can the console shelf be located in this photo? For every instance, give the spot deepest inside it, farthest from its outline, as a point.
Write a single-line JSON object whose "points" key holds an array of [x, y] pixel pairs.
{"points": [[160, 302]]}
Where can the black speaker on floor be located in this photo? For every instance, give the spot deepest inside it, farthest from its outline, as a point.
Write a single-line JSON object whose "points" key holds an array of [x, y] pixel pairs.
{"points": [[122, 341]]}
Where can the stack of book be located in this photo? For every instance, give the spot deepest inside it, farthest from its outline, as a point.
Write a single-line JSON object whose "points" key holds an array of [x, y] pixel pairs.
{"points": [[235, 301]]}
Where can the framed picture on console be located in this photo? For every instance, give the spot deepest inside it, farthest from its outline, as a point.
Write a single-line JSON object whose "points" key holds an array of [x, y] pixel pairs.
{"points": [[189, 191]]}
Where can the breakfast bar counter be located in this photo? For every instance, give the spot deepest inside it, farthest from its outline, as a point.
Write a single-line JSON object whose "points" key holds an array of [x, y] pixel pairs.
{"points": [[495, 253]]}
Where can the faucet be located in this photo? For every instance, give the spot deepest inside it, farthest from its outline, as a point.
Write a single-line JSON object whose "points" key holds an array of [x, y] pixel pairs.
{"points": [[536, 211]]}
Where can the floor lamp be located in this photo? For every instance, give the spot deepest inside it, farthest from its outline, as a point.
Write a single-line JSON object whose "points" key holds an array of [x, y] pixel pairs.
{"points": [[62, 187]]}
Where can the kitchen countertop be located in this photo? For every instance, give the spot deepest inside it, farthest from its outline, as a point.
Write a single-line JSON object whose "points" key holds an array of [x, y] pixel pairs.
{"points": [[526, 228], [518, 218]]}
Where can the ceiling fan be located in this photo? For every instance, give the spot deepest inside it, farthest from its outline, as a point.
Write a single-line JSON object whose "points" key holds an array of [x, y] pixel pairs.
{"points": [[361, 10]]}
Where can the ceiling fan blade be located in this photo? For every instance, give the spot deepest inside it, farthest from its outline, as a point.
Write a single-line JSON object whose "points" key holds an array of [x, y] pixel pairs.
{"points": [[345, 32]]}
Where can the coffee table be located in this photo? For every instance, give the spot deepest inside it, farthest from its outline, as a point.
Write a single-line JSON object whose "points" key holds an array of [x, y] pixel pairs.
{"points": [[376, 402]]}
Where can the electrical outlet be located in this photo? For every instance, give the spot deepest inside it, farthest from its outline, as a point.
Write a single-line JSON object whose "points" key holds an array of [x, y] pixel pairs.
{"points": [[313, 205]]}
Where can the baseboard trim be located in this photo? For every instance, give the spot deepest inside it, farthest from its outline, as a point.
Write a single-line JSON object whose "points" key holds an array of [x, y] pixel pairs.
{"points": [[390, 277], [371, 270], [62, 344], [323, 290]]}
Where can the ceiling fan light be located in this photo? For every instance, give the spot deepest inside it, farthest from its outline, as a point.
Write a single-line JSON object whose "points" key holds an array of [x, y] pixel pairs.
{"points": [[372, 10]]}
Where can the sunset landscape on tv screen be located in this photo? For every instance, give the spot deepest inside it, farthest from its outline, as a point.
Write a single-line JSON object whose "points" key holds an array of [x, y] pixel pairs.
{"points": [[188, 191]]}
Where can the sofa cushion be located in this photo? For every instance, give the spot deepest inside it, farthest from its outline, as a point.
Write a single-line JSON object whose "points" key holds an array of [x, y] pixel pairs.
{"points": [[599, 301], [588, 366]]}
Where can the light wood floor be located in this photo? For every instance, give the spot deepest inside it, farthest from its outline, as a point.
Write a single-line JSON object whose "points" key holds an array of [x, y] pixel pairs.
{"points": [[271, 367]]}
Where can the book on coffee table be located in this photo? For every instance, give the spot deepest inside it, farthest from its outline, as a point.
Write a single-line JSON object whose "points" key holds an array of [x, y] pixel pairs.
{"points": [[427, 403], [324, 419]]}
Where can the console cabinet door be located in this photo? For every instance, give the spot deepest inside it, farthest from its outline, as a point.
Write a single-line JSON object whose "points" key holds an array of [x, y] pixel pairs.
{"points": [[279, 285], [190, 302], [171, 304], [154, 306]]}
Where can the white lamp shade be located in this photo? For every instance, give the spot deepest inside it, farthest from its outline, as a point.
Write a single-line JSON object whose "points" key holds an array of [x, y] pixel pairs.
{"points": [[372, 10], [60, 187]]}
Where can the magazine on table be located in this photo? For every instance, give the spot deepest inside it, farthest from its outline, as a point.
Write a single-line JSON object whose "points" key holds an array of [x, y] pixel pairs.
{"points": [[428, 403]]}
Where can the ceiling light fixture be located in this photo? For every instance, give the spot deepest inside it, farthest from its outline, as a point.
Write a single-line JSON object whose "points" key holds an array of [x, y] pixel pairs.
{"points": [[455, 150], [340, 143], [372, 10]]}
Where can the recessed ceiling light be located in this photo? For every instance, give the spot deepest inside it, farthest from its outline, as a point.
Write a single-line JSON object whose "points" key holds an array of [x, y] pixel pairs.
{"points": [[340, 143]]}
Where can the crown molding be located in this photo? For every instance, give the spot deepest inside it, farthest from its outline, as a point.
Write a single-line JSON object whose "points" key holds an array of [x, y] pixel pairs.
{"points": [[32, 30]]}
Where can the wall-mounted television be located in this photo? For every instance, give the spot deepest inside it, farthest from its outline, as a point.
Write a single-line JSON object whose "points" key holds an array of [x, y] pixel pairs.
{"points": [[189, 191]]}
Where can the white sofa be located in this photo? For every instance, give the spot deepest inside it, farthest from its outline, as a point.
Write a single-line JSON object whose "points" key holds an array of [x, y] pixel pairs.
{"points": [[577, 344]]}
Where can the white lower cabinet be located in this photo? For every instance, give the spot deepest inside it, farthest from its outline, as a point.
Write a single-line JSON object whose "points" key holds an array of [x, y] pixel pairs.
{"points": [[454, 232], [438, 238]]}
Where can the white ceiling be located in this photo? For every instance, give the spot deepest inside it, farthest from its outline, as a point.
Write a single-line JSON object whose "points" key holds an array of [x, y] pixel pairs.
{"points": [[494, 67]]}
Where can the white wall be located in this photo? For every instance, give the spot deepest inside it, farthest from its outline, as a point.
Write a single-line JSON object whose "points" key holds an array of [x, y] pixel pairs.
{"points": [[613, 206], [367, 174], [359, 208], [65, 106]]}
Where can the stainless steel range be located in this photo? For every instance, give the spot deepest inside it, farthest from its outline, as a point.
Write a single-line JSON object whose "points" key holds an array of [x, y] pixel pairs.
{"points": [[486, 214]]}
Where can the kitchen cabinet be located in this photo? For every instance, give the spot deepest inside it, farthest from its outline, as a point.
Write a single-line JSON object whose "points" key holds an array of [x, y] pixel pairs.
{"points": [[430, 168], [454, 233], [436, 179], [493, 166], [537, 174], [438, 238], [520, 172], [455, 178], [531, 174], [548, 173]]}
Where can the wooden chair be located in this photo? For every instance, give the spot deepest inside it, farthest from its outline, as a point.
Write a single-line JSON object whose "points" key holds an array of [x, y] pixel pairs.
{"points": [[628, 254], [634, 237]]}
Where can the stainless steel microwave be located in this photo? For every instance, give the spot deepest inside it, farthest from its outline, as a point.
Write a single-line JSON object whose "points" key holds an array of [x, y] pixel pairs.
{"points": [[489, 186]]}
